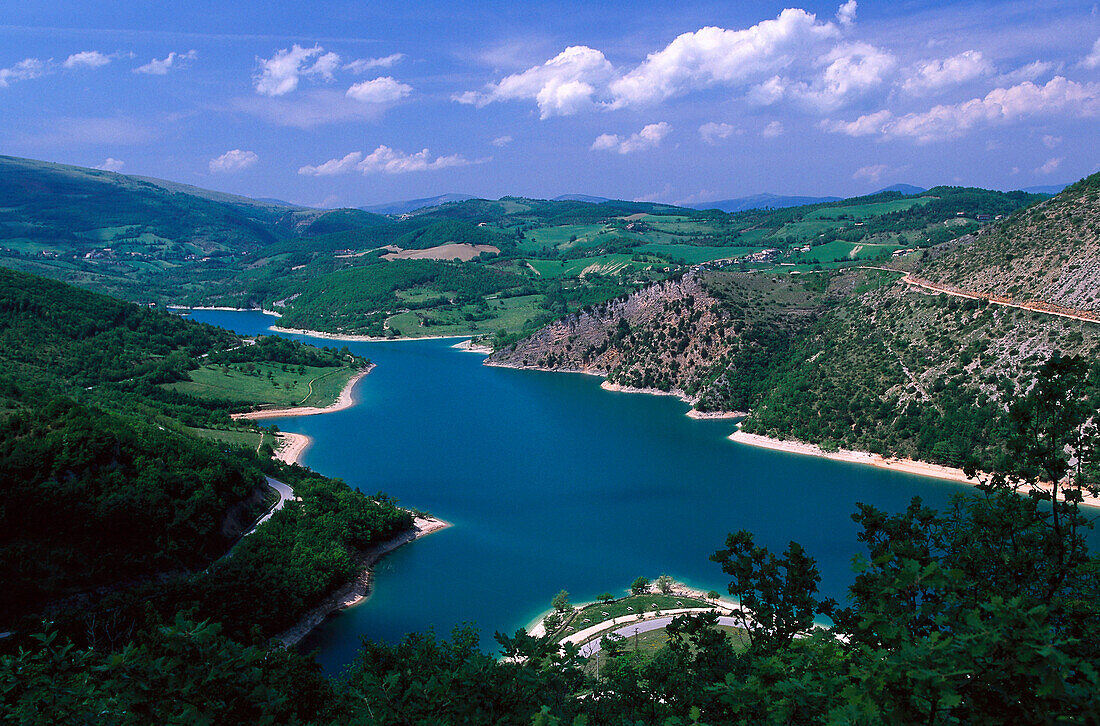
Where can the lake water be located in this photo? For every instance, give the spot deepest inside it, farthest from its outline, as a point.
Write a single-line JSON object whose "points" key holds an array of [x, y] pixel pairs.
{"points": [[552, 483]]}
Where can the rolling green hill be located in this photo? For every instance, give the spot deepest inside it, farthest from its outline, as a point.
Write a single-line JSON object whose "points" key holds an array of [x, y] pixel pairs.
{"points": [[153, 240]]}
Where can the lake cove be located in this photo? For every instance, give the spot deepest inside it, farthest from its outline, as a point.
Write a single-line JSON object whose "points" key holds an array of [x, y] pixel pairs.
{"points": [[552, 483]]}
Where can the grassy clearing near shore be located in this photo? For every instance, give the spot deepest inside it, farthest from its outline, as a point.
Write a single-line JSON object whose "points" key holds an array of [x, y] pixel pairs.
{"points": [[242, 438], [597, 613], [509, 313], [272, 384], [648, 644]]}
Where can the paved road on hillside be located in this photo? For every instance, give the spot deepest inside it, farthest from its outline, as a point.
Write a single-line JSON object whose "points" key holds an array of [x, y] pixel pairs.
{"points": [[592, 647]]}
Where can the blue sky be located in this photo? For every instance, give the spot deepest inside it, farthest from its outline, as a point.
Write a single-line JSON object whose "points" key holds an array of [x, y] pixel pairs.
{"points": [[354, 103]]}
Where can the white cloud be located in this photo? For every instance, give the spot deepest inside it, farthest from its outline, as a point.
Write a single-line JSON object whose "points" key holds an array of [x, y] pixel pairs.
{"points": [[1031, 72], [110, 164], [1051, 141], [561, 86], [362, 65], [872, 123], [851, 70], [233, 161], [649, 137], [385, 160], [381, 90], [501, 141], [161, 67], [712, 132], [871, 173], [932, 76], [280, 74], [1050, 166], [1092, 60], [1001, 105], [24, 70], [846, 13], [772, 130], [86, 59], [713, 56]]}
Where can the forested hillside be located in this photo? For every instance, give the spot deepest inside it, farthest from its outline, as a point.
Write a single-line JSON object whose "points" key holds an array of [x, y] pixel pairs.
{"points": [[119, 490], [855, 359], [1048, 255], [530, 261]]}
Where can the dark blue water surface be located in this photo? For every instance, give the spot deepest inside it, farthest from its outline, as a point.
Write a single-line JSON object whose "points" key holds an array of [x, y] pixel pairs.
{"points": [[551, 483]]}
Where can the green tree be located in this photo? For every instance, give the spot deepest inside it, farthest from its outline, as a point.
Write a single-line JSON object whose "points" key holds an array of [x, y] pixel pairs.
{"points": [[560, 602], [639, 586], [664, 584]]}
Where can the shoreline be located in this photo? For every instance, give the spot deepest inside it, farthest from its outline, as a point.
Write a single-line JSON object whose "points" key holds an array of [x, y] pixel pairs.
{"points": [[619, 388], [344, 401], [292, 447], [348, 337], [224, 308], [908, 466], [361, 586], [469, 346]]}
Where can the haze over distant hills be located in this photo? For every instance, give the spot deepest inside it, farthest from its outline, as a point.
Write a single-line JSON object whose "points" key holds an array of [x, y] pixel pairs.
{"points": [[411, 205]]}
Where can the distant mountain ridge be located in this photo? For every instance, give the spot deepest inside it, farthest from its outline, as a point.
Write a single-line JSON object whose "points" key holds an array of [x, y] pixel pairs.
{"points": [[760, 201], [408, 206]]}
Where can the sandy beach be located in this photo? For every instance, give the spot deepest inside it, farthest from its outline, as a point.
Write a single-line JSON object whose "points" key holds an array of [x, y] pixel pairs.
{"points": [[346, 400], [359, 589], [291, 447], [909, 466], [470, 346]]}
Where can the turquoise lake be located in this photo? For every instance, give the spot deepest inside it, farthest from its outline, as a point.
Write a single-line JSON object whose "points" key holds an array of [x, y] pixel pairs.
{"points": [[550, 483]]}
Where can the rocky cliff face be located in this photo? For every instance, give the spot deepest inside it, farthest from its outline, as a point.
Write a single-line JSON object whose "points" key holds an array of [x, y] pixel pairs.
{"points": [[679, 336], [1049, 254]]}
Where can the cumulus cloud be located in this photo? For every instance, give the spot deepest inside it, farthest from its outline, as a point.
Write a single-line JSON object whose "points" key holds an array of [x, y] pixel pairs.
{"points": [[280, 74], [849, 71], [1092, 60], [381, 90], [649, 137], [501, 141], [1001, 105], [233, 161], [846, 13], [712, 132], [872, 173], [86, 59], [772, 130], [1050, 166], [932, 76], [563, 85], [362, 65], [161, 67], [24, 70], [713, 56], [110, 164], [385, 160]]}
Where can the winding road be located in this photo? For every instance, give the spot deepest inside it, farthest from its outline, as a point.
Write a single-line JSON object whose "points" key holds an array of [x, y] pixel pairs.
{"points": [[285, 493]]}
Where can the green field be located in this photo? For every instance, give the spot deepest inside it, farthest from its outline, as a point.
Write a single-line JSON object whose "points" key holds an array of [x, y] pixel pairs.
{"points": [[266, 384], [865, 211], [235, 437], [508, 313], [597, 613]]}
